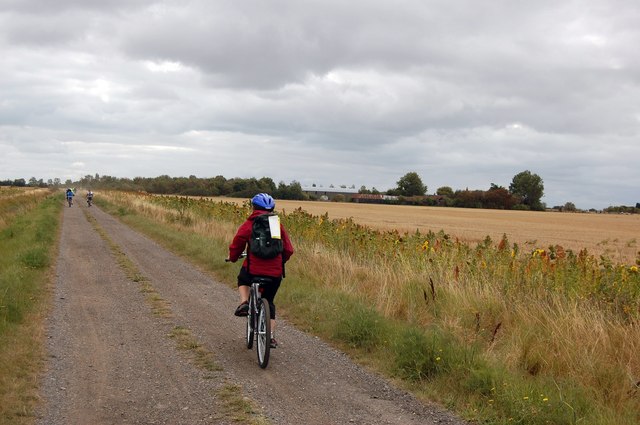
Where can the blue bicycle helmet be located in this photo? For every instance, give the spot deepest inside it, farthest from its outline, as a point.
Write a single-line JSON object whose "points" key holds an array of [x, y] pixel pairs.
{"points": [[263, 201]]}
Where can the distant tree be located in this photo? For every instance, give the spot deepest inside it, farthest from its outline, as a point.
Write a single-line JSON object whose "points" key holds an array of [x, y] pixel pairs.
{"points": [[267, 185], [569, 206], [529, 188], [497, 197], [445, 191], [469, 198], [295, 191], [411, 185], [291, 191], [364, 190], [375, 191]]}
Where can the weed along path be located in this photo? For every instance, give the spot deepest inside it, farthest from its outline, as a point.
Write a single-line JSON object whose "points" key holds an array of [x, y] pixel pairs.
{"points": [[138, 335]]}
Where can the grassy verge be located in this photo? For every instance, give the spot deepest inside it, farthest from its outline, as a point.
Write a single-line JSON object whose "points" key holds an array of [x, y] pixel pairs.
{"points": [[540, 340], [27, 248]]}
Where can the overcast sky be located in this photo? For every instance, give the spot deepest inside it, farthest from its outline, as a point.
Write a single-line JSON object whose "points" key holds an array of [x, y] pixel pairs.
{"points": [[465, 93]]}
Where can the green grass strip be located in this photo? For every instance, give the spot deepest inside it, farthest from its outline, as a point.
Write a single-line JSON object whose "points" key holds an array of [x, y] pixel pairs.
{"points": [[27, 249]]}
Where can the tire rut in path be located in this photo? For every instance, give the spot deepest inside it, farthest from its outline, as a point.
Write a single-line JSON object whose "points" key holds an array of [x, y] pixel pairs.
{"points": [[306, 381]]}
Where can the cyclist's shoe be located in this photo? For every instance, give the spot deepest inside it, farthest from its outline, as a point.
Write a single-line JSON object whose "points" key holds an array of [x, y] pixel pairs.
{"points": [[273, 343], [242, 310]]}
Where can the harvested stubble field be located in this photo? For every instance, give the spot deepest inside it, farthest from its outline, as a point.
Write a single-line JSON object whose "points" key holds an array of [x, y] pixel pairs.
{"points": [[613, 235]]}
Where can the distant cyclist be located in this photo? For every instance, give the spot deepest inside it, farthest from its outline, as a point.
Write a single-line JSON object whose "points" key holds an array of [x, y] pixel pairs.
{"points": [[255, 266], [70, 195], [89, 198]]}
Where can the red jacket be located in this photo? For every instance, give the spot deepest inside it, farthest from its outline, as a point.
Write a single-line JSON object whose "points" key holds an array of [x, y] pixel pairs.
{"points": [[259, 266]]}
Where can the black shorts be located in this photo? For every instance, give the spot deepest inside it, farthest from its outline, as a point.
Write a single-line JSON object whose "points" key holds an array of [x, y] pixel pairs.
{"points": [[270, 290]]}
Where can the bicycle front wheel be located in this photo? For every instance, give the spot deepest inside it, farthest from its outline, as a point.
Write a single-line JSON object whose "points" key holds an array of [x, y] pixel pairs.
{"points": [[250, 327], [264, 333]]}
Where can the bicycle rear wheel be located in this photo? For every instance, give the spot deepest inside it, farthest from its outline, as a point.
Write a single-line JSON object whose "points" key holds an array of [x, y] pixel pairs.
{"points": [[263, 343]]}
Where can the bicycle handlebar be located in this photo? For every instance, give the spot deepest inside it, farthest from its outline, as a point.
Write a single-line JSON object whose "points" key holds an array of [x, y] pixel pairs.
{"points": [[244, 254]]}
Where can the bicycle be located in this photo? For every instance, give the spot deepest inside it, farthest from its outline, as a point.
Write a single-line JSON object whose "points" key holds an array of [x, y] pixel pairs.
{"points": [[89, 201], [259, 320], [70, 201]]}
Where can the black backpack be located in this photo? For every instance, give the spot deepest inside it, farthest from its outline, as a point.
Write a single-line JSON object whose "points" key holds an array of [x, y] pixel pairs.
{"points": [[262, 245]]}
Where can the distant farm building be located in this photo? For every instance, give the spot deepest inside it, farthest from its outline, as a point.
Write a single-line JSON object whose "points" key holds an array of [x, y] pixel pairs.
{"points": [[434, 200], [330, 193]]}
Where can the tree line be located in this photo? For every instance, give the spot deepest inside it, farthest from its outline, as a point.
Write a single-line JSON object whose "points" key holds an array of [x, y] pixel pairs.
{"points": [[524, 192], [186, 186]]}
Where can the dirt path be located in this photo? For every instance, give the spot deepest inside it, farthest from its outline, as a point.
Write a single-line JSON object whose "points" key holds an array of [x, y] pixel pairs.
{"points": [[111, 361]]}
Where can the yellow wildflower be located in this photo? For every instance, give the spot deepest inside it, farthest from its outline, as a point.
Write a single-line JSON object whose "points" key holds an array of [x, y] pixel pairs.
{"points": [[538, 253]]}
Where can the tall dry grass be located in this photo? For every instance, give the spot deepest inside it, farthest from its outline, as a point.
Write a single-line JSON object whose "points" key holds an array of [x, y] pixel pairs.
{"points": [[548, 335], [14, 201]]}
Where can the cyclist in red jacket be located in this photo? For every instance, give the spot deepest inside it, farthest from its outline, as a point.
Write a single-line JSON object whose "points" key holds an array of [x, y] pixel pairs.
{"points": [[274, 268]]}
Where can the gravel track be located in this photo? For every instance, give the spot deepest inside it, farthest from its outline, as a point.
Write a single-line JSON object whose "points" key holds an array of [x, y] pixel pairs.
{"points": [[111, 362]]}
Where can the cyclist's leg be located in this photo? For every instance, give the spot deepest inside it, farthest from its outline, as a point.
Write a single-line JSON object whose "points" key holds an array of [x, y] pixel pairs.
{"points": [[269, 294], [244, 284]]}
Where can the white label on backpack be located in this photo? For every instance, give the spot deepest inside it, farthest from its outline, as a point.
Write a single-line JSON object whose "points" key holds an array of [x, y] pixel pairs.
{"points": [[274, 226]]}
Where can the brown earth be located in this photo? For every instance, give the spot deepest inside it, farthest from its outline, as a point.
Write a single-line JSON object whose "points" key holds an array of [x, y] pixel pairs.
{"points": [[111, 362]]}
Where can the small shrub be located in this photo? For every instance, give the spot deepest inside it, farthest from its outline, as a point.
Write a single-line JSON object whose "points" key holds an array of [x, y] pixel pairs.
{"points": [[418, 356], [360, 326], [483, 381], [35, 258]]}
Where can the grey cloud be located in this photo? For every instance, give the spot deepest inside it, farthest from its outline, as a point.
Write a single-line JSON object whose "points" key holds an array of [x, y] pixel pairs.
{"points": [[47, 7], [252, 46]]}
